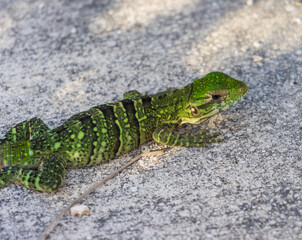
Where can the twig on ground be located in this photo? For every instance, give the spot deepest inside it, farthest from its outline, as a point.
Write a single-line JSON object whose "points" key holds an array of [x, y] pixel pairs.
{"points": [[54, 223]]}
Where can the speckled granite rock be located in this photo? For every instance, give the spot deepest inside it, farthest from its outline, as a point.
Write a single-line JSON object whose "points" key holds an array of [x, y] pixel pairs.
{"points": [[60, 57]]}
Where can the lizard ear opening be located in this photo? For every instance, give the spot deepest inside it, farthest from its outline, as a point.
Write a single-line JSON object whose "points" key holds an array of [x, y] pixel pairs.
{"points": [[194, 110]]}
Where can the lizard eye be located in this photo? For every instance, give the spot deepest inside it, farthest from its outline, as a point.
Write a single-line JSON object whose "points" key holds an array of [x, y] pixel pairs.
{"points": [[194, 110], [216, 96]]}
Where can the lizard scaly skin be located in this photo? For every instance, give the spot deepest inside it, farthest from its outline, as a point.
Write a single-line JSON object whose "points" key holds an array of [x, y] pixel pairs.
{"points": [[36, 157]]}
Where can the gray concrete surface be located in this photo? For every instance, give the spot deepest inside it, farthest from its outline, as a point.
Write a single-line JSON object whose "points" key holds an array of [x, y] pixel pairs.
{"points": [[59, 57]]}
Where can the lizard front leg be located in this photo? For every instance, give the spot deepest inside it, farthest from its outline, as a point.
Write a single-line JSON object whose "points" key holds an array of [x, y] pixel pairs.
{"points": [[47, 178], [164, 134]]}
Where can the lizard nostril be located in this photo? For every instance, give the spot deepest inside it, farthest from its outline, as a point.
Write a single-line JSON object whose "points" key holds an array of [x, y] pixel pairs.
{"points": [[242, 90]]}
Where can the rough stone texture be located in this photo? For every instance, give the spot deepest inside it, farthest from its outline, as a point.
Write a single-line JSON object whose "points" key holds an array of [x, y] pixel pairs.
{"points": [[59, 57]]}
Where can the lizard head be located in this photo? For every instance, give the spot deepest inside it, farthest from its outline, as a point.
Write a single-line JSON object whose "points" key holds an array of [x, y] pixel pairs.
{"points": [[212, 94]]}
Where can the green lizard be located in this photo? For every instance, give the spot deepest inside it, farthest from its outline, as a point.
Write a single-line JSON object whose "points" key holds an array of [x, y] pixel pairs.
{"points": [[36, 157]]}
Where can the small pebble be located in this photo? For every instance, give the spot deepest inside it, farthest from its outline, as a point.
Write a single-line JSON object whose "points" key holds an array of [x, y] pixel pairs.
{"points": [[79, 210], [257, 58], [258, 44], [275, 46], [298, 52], [298, 20], [250, 2], [73, 30], [298, 3]]}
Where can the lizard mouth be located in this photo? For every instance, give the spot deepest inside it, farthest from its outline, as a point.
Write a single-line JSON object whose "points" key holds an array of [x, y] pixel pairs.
{"points": [[208, 115]]}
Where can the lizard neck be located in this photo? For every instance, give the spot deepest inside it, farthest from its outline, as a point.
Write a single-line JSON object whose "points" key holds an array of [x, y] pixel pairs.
{"points": [[167, 106]]}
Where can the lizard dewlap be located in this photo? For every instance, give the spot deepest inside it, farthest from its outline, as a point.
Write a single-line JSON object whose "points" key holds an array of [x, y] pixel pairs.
{"points": [[36, 157]]}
